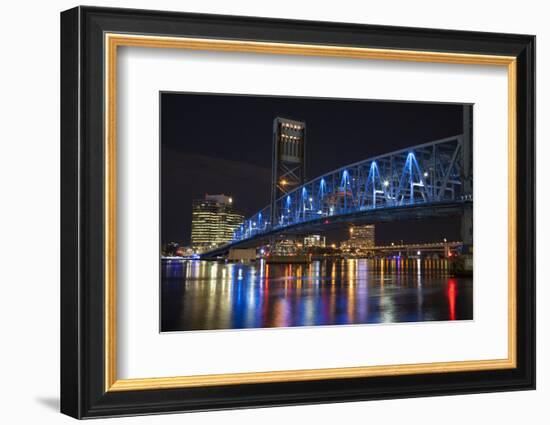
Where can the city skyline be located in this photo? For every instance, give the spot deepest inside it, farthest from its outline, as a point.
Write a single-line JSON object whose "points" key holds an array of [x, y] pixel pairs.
{"points": [[199, 157]]}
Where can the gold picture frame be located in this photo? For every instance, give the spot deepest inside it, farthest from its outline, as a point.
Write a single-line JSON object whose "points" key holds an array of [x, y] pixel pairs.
{"points": [[114, 41]]}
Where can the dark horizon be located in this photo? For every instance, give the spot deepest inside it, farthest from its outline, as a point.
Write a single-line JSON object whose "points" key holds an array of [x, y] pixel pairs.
{"points": [[212, 143]]}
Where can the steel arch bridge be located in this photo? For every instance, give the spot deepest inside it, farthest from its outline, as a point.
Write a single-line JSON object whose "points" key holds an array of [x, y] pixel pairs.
{"points": [[426, 175]]}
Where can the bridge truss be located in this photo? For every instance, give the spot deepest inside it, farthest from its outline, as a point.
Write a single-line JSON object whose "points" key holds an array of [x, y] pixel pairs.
{"points": [[425, 174]]}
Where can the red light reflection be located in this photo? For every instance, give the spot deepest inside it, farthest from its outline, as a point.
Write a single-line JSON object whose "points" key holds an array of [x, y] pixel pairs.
{"points": [[451, 295]]}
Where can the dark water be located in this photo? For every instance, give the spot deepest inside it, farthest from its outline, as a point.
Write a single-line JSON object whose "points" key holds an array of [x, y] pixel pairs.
{"points": [[199, 295]]}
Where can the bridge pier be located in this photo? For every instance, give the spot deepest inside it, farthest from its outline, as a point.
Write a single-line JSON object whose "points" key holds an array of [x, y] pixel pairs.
{"points": [[242, 254], [467, 223], [467, 228]]}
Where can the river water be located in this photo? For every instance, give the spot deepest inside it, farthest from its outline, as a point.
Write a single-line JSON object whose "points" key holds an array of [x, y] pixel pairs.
{"points": [[203, 295]]}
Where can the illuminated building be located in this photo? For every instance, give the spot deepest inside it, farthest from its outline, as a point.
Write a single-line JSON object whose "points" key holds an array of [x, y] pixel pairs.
{"points": [[286, 247], [314, 241], [361, 239], [213, 223]]}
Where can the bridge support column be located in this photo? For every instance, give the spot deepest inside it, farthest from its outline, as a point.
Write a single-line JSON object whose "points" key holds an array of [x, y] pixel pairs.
{"points": [[467, 224], [242, 254], [288, 161], [467, 228]]}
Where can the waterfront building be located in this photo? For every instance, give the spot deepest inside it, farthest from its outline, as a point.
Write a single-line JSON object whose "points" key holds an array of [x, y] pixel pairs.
{"points": [[285, 247], [213, 222], [314, 241]]}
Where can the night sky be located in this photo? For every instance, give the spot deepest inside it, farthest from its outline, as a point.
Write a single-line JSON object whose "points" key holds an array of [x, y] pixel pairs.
{"points": [[222, 144]]}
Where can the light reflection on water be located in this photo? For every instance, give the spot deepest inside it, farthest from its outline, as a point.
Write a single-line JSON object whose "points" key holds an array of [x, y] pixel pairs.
{"points": [[200, 295]]}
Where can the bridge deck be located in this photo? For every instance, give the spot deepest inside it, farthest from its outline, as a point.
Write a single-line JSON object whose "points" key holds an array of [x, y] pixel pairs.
{"points": [[381, 215]]}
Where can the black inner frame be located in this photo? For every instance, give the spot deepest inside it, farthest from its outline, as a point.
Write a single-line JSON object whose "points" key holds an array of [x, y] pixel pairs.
{"points": [[82, 212]]}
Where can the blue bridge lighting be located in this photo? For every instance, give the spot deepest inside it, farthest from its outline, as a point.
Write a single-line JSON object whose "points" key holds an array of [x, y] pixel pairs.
{"points": [[417, 176]]}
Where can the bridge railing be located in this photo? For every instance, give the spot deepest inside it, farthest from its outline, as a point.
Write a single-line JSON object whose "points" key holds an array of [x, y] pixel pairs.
{"points": [[422, 174]]}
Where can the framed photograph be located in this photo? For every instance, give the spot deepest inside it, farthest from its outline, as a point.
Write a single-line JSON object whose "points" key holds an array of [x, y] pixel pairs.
{"points": [[261, 212]]}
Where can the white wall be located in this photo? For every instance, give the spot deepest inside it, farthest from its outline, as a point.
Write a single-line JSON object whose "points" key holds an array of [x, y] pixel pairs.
{"points": [[29, 172]]}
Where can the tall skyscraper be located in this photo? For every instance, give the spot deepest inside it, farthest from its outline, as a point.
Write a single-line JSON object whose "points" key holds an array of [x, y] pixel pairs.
{"points": [[213, 223]]}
